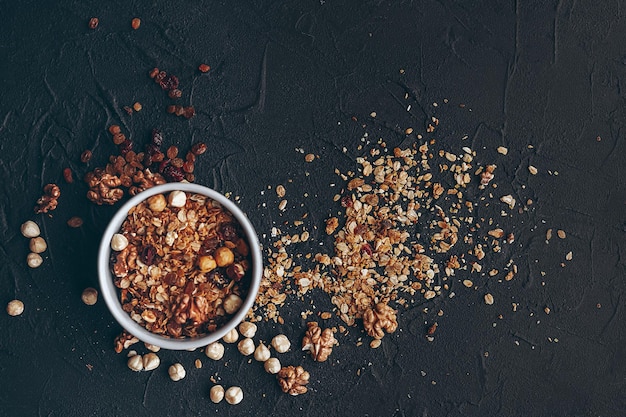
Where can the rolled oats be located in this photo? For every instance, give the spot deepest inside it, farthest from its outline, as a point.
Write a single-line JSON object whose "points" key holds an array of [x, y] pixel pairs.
{"points": [[172, 273]]}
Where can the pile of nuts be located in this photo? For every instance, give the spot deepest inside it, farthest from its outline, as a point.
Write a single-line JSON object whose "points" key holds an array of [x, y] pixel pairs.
{"points": [[36, 244], [180, 263]]}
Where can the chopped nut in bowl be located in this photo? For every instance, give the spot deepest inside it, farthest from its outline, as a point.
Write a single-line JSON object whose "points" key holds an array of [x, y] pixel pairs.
{"points": [[179, 266]]}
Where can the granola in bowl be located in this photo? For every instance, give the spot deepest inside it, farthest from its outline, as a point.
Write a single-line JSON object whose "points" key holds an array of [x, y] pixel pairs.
{"points": [[179, 265]]}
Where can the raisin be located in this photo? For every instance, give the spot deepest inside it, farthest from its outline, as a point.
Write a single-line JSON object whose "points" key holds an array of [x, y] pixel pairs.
{"points": [[67, 175], [199, 148], [148, 254], [85, 156], [228, 232], [175, 93], [204, 68], [93, 23], [366, 248], [346, 201], [173, 174], [172, 152], [125, 147]]}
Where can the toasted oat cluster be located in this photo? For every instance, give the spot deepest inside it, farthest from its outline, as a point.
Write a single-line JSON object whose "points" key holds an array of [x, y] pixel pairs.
{"points": [[180, 262]]}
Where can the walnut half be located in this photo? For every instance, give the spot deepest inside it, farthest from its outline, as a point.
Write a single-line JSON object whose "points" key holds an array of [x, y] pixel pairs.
{"points": [[379, 320], [293, 380], [319, 342]]}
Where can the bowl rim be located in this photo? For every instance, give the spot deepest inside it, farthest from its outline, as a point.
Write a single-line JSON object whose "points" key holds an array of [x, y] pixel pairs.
{"points": [[110, 291]]}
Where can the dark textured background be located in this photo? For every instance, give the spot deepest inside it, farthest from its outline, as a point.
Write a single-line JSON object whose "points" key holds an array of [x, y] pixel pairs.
{"points": [[290, 75]]}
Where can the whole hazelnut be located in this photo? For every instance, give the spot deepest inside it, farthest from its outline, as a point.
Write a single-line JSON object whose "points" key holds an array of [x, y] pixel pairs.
{"points": [[206, 263], [232, 303], [34, 260], [30, 229], [89, 296], [15, 308], [177, 199], [247, 329], [281, 343], [135, 363], [157, 203], [119, 242], [231, 336], [217, 393], [262, 353], [224, 256], [151, 361], [246, 346], [272, 366], [176, 372], [233, 395], [38, 244], [214, 351]]}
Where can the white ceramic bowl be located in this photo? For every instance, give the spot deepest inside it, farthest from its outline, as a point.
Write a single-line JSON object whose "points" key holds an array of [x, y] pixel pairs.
{"points": [[110, 292]]}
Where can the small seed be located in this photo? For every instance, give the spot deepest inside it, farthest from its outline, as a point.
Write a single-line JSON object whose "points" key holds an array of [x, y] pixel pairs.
{"points": [[135, 23], [488, 299], [374, 344], [532, 170], [15, 308], [502, 150], [280, 191], [309, 157], [89, 296], [560, 234], [569, 256], [282, 205], [468, 283], [408, 131]]}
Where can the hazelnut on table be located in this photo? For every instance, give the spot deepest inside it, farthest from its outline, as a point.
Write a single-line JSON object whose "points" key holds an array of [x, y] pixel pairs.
{"points": [[176, 372], [233, 395], [280, 343], [217, 393], [15, 308], [214, 351]]}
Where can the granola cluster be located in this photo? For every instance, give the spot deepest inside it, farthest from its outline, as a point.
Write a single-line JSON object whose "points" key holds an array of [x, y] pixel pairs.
{"points": [[183, 271]]}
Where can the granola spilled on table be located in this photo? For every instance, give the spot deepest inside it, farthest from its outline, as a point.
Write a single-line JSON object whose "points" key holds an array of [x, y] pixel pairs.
{"points": [[186, 256]]}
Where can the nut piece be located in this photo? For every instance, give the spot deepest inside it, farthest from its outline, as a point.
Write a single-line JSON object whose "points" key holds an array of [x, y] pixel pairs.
{"points": [[151, 361], [177, 199], [123, 341], [34, 260], [224, 256], [246, 346], [38, 245], [319, 343], [119, 242], [30, 229], [152, 348], [15, 308], [217, 393], [232, 303], [135, 363], [176, 372], [379, 320], [206, 263], [293, 380], [262, 353], [214, 351], [157, 203], [89, 296], [231, 336], [281, 343], [247, 329], [233, 395], [272, 366]]}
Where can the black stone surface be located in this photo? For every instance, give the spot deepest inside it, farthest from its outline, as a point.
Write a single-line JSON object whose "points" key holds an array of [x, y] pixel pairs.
{"points": [[292, 75]]}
